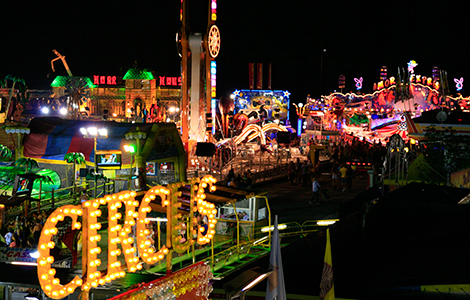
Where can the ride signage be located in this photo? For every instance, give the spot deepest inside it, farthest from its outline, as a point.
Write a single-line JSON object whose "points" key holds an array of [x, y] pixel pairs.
{"points": [[119, 233]]}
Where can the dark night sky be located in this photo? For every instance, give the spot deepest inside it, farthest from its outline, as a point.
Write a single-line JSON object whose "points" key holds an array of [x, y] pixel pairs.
{"points": [[106, 39]]}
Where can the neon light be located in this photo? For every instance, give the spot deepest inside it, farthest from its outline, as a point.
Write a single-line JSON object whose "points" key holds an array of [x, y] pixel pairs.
{"points": [[213, 104], [213, 78], [299, 127], [169, 81], [213, 10], [458, 83], [108, 80], [358, 83], [411, 65]]}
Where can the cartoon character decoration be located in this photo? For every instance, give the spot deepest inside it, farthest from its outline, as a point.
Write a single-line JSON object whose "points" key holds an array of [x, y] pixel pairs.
{"points": [[18, 112], [411, 65], [458, 83]]}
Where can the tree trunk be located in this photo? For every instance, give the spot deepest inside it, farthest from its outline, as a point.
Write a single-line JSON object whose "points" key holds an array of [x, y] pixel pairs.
{"points": [[74, 182], [9, 100]]}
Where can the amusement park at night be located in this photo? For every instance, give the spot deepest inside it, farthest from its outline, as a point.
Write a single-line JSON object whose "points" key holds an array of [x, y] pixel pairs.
{"points": [[141, 184]]}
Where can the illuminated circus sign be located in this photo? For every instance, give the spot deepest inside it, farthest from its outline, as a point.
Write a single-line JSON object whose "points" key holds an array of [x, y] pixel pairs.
{"points": [[120, 233]]}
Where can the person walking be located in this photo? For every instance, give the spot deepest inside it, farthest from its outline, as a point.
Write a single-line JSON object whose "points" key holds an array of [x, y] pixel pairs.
{"points": [[316, 192]]}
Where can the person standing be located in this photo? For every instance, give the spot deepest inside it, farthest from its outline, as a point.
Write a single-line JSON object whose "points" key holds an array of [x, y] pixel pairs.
{"points": [[316, 192], [344, 177]]}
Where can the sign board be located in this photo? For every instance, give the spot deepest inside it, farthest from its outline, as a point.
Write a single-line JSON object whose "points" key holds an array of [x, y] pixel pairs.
{"points": [[9, 255]]}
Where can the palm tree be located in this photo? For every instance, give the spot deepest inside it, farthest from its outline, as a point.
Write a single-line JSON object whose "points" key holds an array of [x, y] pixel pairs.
{"points": [[15, 80], [42, 179], [75, 158], [5, 152], [28, 163]]}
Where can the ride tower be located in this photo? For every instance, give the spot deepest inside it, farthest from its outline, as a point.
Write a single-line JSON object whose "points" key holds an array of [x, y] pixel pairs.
{"points": [[198, 76]]}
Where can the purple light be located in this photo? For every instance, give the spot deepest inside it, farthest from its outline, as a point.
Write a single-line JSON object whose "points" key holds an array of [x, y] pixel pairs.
{"points": [[458, 83], [358, 83]]}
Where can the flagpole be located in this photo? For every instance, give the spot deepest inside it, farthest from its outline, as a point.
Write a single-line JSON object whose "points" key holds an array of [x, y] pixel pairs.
{"points": [[275, 288], [327, 288]]}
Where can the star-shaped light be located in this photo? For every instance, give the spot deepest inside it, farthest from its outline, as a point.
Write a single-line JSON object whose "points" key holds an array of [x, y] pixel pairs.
{"points": [[286, 94]]}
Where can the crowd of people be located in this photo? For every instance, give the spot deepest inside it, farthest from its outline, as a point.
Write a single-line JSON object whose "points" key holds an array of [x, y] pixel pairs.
{"points": [[22, 232], [239, 180]]}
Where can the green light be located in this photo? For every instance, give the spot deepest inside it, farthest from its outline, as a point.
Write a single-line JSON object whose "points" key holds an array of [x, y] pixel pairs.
{"points": [[129, 148], [61, 81], [135, 73]]}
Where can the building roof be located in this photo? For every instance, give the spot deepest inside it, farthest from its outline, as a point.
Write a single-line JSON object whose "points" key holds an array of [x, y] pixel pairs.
{"points": [[61, 81], [134, 73]]}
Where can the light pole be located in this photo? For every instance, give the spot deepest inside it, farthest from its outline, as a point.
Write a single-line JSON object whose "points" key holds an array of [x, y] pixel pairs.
{"points": [[139, 160], [130, 149], [321, 70], [94, 133]]}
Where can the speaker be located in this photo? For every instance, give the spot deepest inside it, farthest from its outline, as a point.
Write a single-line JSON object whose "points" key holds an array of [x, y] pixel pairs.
{"points": [[83, 172], [205, 149], [283, 137]]}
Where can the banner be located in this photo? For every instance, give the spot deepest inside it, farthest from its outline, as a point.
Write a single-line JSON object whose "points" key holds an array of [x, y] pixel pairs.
{"points": [[16, 254]]}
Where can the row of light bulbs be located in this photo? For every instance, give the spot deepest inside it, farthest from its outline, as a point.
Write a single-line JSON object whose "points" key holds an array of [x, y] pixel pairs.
{"points": [[119, 234]]}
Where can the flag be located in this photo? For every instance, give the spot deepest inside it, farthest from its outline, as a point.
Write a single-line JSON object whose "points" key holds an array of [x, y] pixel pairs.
{"points": [[327, 288], [275, 288]]}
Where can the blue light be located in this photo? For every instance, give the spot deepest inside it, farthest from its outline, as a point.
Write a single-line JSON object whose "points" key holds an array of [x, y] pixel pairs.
{"points": [[299, 127]]}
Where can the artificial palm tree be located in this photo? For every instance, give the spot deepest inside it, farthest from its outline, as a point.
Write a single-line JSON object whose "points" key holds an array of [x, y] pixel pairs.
{"points": [[45, 179], [5, 152], [15, 80], [74, 158], [27, 163]]}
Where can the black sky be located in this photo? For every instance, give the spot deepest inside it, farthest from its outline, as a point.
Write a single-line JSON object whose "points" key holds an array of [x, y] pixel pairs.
{"points": [[106, 38]]}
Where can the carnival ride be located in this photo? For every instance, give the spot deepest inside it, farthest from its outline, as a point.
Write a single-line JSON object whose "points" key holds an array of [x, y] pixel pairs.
{"points": [[77, 87], [377, 116]]}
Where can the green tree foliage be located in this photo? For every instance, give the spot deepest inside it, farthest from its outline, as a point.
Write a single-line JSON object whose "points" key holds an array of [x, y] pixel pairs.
{"points": [[27, 163], [5, 152], [15, 81]]}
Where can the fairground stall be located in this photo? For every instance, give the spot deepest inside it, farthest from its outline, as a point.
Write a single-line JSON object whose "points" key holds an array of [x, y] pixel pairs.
{"points": [[122, 152]]}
